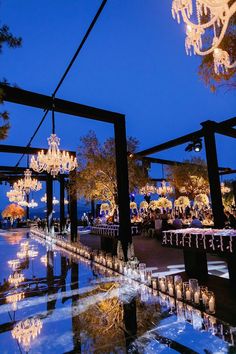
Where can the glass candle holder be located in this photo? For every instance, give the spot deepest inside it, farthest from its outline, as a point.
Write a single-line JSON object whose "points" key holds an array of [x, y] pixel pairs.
{"points": [[142, 271], [155, 283], [162, 284], [203, 294], [178, 291], [193, 283], [210, 303], [196, 296], [170, 285], [187, 293]]}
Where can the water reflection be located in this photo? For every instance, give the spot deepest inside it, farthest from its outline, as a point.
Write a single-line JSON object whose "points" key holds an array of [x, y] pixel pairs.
{"points": [[64, 303]]}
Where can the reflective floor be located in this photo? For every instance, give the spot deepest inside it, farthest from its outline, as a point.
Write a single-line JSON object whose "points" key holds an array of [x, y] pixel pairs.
{"points": [[53, 302]]}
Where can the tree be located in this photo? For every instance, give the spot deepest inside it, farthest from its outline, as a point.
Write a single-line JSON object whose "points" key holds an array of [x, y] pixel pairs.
{"points": [[190, 179], [6, 38], [13, 211], [97, 169], [206, 69]]}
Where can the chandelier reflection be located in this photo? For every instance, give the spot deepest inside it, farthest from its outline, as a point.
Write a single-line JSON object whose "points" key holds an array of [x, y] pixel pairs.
{"points": [[205, 19], [16, 278], [164, 189], [26, 331], [43, 260], [27, 184], [14, 299], [14, 264]]}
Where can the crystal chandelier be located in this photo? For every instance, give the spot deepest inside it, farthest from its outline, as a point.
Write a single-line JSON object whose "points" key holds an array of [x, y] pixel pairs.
{"points": [[27, 184], [32, 204], [14, 298], [14, 263], [54, 200], [53, 161], [204, 19], [23, 203], [164, 189], [26, 331], [15, 195], [147, 189]]}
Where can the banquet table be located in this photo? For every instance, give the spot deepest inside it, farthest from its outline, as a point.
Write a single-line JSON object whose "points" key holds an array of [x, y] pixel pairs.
{"points": [[197, 242]]}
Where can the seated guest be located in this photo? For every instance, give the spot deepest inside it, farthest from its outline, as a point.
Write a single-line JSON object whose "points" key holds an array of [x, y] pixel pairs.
{"points": [[177, 223], [196, 222]]}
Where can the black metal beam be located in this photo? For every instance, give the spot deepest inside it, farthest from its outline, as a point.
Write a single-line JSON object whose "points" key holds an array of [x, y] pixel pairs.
{"points": [[227, 172], [49, 190], [28, 98], [11, 149], [122, 185], [213, 174], [171, 143]]}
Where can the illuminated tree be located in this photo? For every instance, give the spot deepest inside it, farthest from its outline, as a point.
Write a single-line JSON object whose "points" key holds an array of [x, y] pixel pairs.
{"points": [[6, 38], [13, 211], [97, 169], [190, 179]]}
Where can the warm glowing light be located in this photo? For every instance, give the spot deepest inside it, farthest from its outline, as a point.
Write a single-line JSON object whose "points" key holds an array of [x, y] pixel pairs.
{"points": [[164, 189], [16, 279], [14, 263], [32, 204], [14, 299]]}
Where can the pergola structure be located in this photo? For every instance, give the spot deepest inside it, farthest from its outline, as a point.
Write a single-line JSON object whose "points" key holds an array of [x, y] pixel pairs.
{"points": [[208, 131], [32, 99]]}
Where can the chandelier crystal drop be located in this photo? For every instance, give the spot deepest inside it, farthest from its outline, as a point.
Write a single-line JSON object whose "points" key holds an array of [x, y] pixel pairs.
{"points": [[164, 189], [204, 19], [27, 184], [53, 161]]}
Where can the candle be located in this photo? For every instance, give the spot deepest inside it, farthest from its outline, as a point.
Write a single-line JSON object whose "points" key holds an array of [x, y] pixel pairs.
{"points": [[179, 294], [204, 298], [188, 295], [170, 289], [162, 286], [212, 304], [196, 297], [154, 284]]}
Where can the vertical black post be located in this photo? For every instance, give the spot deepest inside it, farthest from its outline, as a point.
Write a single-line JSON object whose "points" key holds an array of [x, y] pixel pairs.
{"points": [[62, 203], [27, 208], [73, 206], [213, 174], [93, 208], [49, 190], [122, 184]]}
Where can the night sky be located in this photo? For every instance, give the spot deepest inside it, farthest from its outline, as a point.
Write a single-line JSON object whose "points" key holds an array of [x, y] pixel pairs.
{"points": [[134, 63]]}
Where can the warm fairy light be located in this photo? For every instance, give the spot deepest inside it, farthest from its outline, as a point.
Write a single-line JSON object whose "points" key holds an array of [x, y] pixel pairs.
{"points": [[16, 279], [212, 19], [53, 161], [26, 331], [27, 184]]}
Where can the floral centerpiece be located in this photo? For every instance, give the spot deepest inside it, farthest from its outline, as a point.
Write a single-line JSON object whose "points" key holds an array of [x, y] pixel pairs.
{"points": [[182, 202], [201, 200], [105, 207], [153, 205], [133, 206], [164, 203], [143, 205]]}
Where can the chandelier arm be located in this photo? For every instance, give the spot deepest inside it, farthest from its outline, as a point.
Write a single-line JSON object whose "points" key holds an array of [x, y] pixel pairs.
{"points": [[209, 3], [199, 26]]}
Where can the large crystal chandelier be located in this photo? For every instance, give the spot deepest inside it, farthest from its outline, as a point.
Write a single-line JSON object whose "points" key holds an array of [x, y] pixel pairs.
{"points": [[26, 331], [53, 161], [15, 195], [27, 184], [205, 19], [164, 189]]}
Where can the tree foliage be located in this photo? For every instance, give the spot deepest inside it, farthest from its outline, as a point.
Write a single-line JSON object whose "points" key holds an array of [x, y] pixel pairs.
{"points": [[190, 179], [97, 169], [206, 68], [13, 211], [6, 38]]}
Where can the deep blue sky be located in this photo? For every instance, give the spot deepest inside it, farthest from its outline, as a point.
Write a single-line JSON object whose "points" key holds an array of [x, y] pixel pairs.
{"points": [[134, 63]]}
